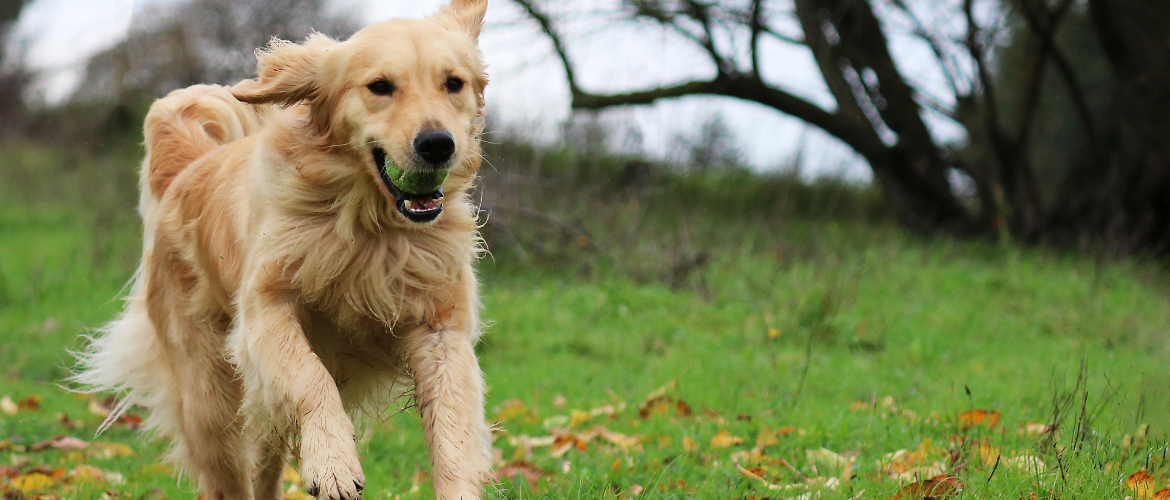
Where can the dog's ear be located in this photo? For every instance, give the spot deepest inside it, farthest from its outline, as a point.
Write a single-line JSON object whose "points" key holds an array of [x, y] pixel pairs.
{"points": [[467, 14], [287, 72]]}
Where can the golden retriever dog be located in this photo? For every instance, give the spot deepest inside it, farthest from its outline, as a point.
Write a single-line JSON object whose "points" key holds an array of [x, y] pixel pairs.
{"points": [[309, 248]]}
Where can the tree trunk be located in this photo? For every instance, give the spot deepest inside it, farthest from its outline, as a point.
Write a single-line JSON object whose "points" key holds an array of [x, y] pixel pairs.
{"points": [[848, 42], [1123, 198]]}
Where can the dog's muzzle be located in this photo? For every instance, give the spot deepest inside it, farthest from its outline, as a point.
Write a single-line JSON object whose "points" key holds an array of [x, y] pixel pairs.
{"points": [[418, 194]]}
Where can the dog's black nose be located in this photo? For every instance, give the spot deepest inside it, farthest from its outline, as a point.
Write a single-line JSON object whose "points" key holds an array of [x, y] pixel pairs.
{"points": [[434, 146]]}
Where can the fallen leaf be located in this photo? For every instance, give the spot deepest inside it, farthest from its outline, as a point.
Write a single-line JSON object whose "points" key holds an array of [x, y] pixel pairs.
{"points": [[689, 444], [514, 409], [766, 437], [662, 405], [578, 417], [971, 418], [69, 423], [298, 495], [636, 490], [938, 487], [530, 472], [291, 475], [60, 442], [87, 473], [1033, 429], [618, 438], [987, 453], [31, 482], [111, 450], [31, 403], [724, 439], [1141, 484], [96, 409], [565, 442], [1027, 463], [8, 406], [1162, 494]]}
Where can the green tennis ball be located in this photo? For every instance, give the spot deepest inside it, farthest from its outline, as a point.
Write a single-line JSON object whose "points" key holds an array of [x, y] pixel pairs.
{"points": [[416, 183]]}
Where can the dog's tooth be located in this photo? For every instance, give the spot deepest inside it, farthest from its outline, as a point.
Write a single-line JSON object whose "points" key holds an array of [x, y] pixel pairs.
{"points": [[408, 204]]}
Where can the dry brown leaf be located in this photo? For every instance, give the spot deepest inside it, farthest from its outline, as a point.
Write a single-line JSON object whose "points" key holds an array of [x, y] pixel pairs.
{"points": [[1162, 494], [938, 487], [1142, 484], [724, 439], [971, 418], [527, 470], [618, 438], [31, 403], [662, 405], [565, 442], [60, 442]]}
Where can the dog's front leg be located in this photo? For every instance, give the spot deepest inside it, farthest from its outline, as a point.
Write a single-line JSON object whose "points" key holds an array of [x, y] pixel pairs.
{"points": [[449, 393], [286, 382]]}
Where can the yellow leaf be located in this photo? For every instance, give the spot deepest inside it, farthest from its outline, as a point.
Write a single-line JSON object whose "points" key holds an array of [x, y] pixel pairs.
{"points": [[30, 482], [291, 475], [8, 406], [87, 473], [773, 333], [578, 417], [111, 450], [988, 453], [689, 444], [298, 495], [724, 439], [1142, 484], [969, 419], [767, 437]]}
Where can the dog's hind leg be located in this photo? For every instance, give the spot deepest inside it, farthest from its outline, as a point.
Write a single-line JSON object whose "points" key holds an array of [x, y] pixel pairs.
{"points": [[207, 393], [449, 393], [272, 453]]}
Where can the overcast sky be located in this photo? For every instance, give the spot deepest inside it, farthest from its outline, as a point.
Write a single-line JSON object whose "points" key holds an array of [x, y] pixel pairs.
{"points": [[528, 91]]}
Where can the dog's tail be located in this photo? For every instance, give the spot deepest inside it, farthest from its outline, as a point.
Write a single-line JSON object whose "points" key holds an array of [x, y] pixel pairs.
{"points": [[185, 125]]}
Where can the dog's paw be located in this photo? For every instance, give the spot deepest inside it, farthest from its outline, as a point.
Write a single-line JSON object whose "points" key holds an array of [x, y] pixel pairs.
{"points": [[332, 472]]}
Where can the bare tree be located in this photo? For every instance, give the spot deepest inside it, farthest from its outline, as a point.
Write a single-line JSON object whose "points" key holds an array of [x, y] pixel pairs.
{"points": [[877, 112]]}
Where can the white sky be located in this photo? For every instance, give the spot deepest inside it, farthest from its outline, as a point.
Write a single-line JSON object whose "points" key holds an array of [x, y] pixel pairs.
{"points": [[528, 91]]}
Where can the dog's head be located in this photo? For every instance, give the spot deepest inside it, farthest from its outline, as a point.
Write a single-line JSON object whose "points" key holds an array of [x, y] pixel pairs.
{"points": [[404, 97]]}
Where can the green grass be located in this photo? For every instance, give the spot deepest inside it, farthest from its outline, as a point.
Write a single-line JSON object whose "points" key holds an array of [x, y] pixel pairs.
{"points": [[792, 322]]}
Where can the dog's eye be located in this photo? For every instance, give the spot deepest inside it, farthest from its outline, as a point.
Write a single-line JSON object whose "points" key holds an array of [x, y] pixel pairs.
{"points": [[381, 87], [454, 85]]}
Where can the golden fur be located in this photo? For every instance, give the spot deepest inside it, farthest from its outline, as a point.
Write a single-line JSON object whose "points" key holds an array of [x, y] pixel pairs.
{"points": [[280, 291]]}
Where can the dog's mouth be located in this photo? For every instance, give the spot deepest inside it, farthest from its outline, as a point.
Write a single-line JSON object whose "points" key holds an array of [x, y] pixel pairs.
{"points": [[418, 196]]}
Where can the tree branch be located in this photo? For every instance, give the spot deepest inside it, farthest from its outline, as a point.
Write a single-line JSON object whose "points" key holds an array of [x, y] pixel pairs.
{"points": [[757, 28], [749, 88], [546, 26]]}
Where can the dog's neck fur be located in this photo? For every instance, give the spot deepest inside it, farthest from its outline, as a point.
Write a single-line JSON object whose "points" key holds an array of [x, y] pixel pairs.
{"points": [[325, 225]]}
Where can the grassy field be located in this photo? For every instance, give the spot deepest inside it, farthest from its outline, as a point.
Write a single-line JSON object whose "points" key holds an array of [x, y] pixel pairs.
{"points": [[684, 349]]}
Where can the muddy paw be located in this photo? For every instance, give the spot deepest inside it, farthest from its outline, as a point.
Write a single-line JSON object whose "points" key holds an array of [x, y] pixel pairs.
{"points": [[331, 473]]}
